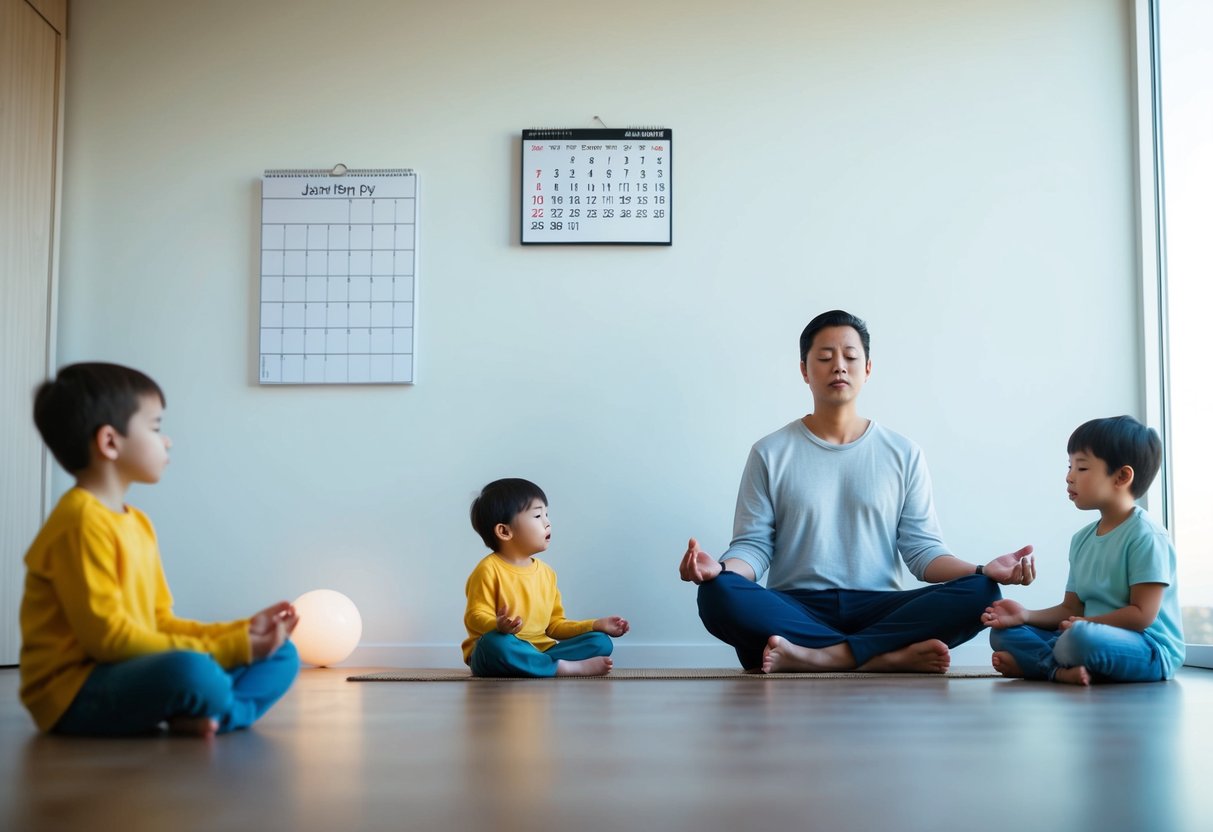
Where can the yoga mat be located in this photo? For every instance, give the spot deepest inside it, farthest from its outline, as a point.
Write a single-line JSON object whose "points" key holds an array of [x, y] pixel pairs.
{"points": [[430, 674]]}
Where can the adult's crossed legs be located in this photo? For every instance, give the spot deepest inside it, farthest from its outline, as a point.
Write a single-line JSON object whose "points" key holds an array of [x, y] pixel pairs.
{"points": [[745, 615]]}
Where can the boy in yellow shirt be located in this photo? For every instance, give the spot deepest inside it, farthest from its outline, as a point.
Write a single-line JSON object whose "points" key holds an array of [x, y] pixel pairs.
{"points": [[515, 618], [102, 652]]}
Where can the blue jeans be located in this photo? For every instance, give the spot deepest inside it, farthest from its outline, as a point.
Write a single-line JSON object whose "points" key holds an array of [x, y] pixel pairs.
{"points": [[135, 696], [1110, 654], [498, 654], [745, 614]]}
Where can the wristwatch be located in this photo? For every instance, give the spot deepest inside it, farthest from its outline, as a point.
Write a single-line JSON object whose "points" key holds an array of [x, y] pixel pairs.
{"points": [[981, 570]]}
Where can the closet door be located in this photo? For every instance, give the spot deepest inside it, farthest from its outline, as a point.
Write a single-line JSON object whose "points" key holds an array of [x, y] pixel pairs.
{"points": [[31, 48]]}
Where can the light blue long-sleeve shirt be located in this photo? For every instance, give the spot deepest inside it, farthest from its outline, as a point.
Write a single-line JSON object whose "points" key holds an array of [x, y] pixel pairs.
{"points": [[823, 516]]}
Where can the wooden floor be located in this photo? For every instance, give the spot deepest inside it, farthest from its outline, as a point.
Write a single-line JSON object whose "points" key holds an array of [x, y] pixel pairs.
{"points": [[728, 754]]}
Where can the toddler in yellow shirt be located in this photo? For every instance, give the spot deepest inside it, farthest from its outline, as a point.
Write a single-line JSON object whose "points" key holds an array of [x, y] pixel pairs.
{"points": [[101, 651], [515, 618]]}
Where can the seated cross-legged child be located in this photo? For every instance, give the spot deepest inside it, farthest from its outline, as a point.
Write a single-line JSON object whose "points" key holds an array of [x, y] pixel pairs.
{"points": [[514, 618], [102, 652], [1119, 620]]}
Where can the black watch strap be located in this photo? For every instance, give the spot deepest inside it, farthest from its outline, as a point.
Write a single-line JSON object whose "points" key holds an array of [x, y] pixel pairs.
{"points": [[981, 570]]}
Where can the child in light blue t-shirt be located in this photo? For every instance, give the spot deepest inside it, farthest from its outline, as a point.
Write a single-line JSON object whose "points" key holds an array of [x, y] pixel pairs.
{"points": [[1119, 620]]}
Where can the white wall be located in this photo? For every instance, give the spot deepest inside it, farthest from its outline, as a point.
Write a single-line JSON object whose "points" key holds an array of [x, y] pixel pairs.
{"points": [[958, 173]]}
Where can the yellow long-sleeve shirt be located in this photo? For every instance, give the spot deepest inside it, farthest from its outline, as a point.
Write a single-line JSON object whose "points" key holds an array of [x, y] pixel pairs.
{"points": [[531, 593], [95, 593]]}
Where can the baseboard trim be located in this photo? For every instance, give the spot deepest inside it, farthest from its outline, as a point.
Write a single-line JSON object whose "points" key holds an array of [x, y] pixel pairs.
{"points": [[1199, 655]]}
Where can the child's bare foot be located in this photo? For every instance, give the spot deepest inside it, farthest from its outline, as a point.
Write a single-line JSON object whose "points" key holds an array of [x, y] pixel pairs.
{"points": [[597, 666], [193, 726], [1005, 664], [1073, 676], [782, 656], [930, 656]]}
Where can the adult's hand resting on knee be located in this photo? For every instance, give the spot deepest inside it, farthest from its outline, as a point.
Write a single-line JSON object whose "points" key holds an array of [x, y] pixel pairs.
{"points": [[698, 566], [1014, 568]]}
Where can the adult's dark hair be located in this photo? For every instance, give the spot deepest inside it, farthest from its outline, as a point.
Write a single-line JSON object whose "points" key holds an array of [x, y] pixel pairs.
{"points": [[499, 502], [1120, 441], [835, 317], [82, 399]]}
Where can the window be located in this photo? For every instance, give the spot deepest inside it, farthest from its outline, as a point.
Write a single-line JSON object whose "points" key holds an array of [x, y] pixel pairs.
{"points": [[1181, 66]]}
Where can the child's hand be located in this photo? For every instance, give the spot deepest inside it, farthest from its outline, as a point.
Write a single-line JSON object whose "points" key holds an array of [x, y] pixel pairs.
{"points": [[612, 625], [269, 629], [505, 624], [1069, 622], [1004, 613], [267, 620]]}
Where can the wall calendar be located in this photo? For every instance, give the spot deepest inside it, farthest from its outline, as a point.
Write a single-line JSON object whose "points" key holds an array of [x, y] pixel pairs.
{"points": [[338, 276], [597, 186]]}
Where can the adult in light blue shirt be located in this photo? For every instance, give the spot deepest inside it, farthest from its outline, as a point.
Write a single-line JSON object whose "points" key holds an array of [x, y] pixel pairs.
{"points": [[829, 508]]}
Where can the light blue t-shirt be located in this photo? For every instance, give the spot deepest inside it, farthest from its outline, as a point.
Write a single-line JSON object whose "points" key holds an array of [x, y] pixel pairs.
{"points": [[1103, 568], [823, 516]]}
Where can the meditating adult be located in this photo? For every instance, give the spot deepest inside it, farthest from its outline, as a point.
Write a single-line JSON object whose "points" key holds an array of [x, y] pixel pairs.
{"points": [[829, 507]]}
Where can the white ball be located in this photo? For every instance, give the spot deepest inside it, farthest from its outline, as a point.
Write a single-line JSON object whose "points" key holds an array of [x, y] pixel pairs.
{"points": [[329, 627]]}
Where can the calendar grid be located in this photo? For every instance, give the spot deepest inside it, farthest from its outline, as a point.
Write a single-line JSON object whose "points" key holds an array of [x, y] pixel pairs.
{"points": [[597, 186], [338, 278]]}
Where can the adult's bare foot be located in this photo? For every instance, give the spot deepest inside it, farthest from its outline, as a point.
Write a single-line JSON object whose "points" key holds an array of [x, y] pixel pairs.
{"points": [[193, 726], [782, 656], [597, 666], [1077, 675], [930, 656], [1005, 664]]}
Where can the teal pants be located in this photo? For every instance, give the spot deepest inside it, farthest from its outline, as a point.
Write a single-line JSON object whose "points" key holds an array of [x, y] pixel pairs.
{"points": [[137, 695], [498, 654]]}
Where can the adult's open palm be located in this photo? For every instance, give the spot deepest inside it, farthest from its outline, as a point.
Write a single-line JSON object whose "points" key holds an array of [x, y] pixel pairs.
{"points": [[1015, 568]]}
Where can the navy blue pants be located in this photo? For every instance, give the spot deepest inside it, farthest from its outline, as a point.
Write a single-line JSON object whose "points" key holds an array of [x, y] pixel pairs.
{"points": [[744, 614]]}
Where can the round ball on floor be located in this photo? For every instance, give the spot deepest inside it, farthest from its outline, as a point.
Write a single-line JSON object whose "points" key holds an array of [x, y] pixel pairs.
{"points": [[329, 627]]}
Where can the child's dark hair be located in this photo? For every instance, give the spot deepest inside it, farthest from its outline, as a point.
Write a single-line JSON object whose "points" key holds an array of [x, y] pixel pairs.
{"points": [[82, 399], [1120, 441], [835, 317], [499, 502]]}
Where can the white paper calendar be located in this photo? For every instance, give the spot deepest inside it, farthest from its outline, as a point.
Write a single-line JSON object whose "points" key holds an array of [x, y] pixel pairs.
{"points": [[600, 186], [338, 277]]}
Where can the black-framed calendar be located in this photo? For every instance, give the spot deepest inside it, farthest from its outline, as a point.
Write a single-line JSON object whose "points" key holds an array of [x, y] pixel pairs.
{"points": [[597, 186]]}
